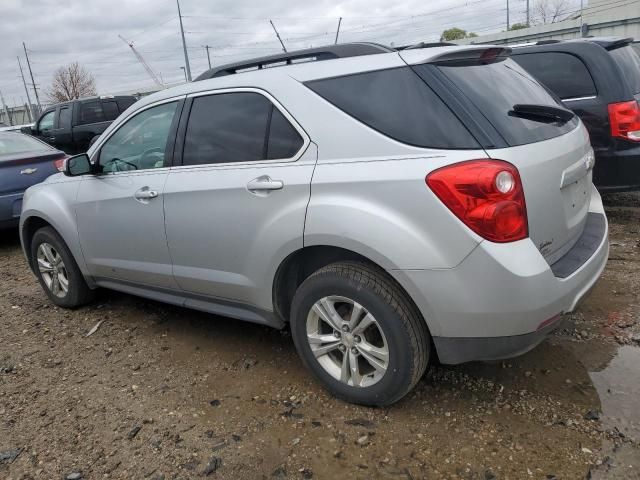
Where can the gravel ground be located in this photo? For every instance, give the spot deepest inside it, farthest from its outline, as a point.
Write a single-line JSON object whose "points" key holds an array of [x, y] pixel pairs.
{"points": [[160, 392]]}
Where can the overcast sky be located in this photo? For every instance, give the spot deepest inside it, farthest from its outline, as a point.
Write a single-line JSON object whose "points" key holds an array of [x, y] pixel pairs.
{"points": [[58, 32]]}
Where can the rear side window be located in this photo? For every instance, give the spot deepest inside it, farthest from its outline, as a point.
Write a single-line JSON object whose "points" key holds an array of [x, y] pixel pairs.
{"points": [[110, 109], [495, 88], [237, 127], [398, 104], [565, 74], [90, 112], [628, 59], [124, 103]]}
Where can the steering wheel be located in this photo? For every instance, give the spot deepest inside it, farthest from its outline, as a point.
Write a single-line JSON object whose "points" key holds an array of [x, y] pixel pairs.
{"points": [[116, 162], [151, 157]]}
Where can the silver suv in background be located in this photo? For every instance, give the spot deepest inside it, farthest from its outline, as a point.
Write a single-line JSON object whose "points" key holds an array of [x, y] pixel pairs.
{"points": [[391, 206]]}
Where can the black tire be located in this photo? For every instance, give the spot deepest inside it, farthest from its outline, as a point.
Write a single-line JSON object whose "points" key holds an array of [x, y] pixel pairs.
{"points": [[78, 293], [405, 330]]}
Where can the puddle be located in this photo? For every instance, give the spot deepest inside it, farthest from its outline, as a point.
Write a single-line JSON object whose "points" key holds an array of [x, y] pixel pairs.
{"points": [[618, 386]]}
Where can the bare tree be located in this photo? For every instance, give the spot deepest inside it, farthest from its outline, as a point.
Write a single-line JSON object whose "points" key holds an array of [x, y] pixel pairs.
{"points": [[70, 82], [550, 11]]}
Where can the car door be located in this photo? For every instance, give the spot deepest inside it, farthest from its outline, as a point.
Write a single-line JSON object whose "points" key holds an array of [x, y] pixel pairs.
{"points": [[60, 136], [45, 126], [236, 204], [119, 210]]}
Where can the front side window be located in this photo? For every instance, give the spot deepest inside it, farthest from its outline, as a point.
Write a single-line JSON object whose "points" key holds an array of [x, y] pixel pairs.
{"points": [[237, 127], [141, 142], [46, 122]]}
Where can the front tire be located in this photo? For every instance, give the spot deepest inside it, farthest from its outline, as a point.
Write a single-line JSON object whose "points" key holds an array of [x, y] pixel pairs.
{"points": [[358, 332], [57, 270]]}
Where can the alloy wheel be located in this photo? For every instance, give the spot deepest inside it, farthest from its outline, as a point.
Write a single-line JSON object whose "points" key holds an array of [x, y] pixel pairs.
{"points": [[347, 341], [53, 270]]}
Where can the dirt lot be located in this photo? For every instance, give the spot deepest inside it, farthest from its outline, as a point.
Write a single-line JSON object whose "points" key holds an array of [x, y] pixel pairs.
{"points": [[164, 393]]}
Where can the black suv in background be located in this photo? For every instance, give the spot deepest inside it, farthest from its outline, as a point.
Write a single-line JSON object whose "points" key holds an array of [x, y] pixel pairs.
{"points": [[599, 79], [72, 126]]}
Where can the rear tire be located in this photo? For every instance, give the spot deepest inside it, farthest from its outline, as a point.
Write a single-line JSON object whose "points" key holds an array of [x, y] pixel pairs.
{"points": [[352, 314], [57, 270]]}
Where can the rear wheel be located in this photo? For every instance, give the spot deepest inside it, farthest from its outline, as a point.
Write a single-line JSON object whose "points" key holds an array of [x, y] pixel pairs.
{"points": [[359, 333], [57, 271]]}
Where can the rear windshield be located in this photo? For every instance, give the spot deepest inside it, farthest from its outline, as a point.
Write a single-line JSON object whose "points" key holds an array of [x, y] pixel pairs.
{"points": [[19, 143], [565, 74], [398, 104], [495, 88], [628, 60]]}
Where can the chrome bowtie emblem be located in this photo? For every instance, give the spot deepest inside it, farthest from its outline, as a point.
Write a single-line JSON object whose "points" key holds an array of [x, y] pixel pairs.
{"points": [[28, 171]]}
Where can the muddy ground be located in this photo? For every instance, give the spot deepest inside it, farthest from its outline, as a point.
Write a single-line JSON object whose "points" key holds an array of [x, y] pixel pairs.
{"points": [[160, 392]]}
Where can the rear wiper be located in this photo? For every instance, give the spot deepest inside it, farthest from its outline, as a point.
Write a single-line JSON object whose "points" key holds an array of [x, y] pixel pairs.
{"points": [[542, 113]]}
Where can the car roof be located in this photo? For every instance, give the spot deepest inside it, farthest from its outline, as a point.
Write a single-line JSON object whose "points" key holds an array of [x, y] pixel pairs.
{"points": [[311, 70], [329, 52]]}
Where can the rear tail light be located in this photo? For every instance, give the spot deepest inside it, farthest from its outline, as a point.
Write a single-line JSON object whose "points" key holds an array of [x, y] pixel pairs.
{"points": [[59, 163], [624, 118], [486, 195]]}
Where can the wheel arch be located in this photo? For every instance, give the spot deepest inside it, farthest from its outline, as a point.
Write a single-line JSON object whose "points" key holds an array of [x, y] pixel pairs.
{"points": [[300, 264]]}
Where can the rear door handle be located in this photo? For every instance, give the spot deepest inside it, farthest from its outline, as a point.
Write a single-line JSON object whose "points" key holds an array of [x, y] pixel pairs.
{"points": [[145, 194], [264, 183]]}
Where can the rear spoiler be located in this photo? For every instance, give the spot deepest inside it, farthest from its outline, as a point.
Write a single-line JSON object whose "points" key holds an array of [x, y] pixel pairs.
{"points": [[472, 56], [623, 42]]}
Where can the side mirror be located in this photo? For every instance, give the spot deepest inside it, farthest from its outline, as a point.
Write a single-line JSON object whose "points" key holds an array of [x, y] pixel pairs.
{"points": [[28, 130], [78, 165]]}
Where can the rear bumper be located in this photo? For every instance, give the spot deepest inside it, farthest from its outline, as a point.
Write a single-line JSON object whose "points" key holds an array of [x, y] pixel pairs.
{"points": [[617, 170], [503, 299], [10, 208]]}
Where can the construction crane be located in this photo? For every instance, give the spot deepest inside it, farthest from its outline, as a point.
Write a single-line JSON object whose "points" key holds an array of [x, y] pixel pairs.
{"points": [[151, 73]]}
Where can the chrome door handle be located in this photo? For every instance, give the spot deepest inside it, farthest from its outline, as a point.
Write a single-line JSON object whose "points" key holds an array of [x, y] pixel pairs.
{"points": [[264, 183], [145, 194]]}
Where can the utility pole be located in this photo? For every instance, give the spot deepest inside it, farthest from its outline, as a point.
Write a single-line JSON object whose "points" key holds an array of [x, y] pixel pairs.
{"points": [[507, 15], [207, 47], [338, 30], [528, 24], [33, 83], [581, 7], [6, 109], [284, 49], [184, 46], [26, 90]]}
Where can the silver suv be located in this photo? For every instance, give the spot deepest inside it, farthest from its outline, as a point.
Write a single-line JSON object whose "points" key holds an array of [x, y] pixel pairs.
{"points": [[393, 207]]}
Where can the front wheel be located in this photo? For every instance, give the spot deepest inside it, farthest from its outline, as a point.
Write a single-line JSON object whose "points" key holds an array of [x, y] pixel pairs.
{"points": [[57, 271], [357, 331]]}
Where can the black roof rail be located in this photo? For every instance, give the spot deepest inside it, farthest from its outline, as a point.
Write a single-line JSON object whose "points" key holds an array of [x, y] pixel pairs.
{"points": [[329, 52], [547, 42], [427, 45]]}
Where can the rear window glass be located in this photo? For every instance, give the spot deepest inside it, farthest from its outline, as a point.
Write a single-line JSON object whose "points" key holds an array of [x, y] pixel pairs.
{"points": [[495, 88], [628, 60], [18, 143], [398, 104], [565, 74]]}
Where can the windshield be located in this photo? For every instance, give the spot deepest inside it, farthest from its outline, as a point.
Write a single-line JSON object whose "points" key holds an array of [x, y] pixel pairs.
{"points": [[495, 89], [18, 143], [628, 60]]}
